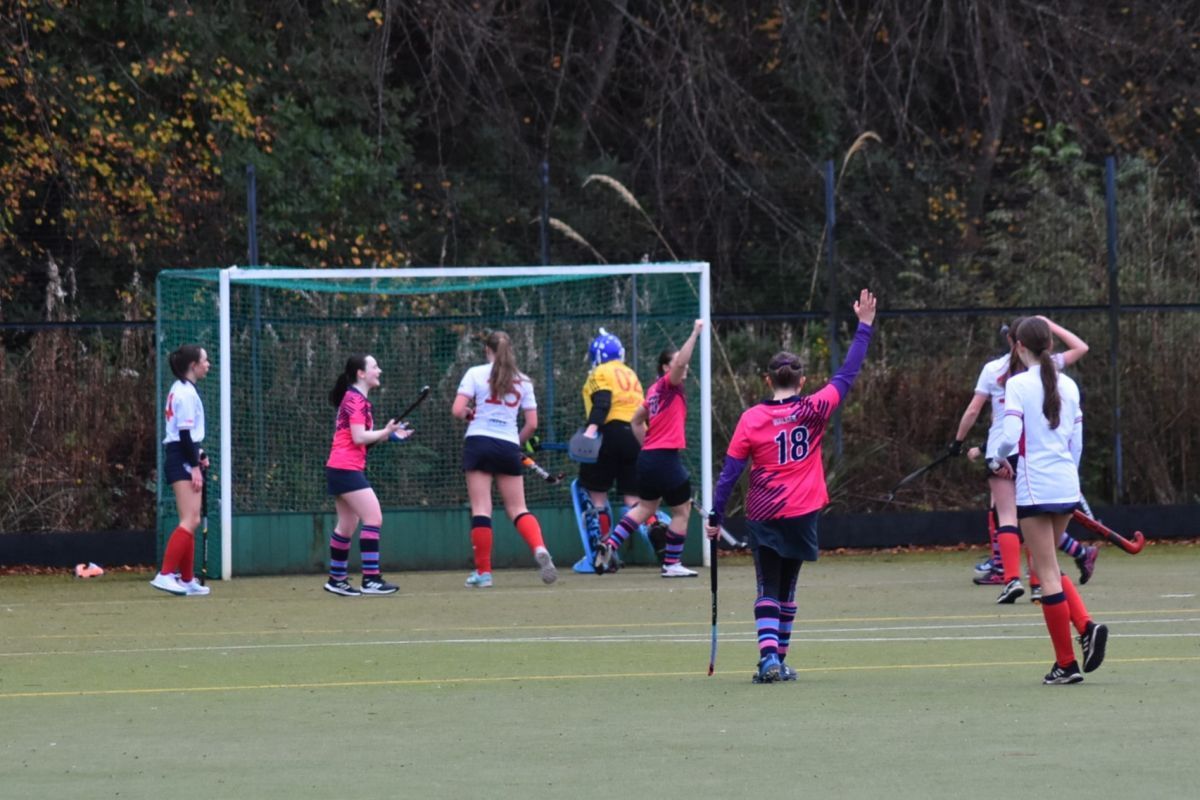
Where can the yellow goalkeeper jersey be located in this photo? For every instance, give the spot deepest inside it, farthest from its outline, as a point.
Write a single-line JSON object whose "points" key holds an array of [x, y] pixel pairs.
{"points": [[615, 377]]}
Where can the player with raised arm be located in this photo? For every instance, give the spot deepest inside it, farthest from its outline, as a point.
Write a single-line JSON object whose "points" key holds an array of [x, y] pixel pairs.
{"points": [[780, 439], [489, 398], [612, 394], [1043, 424], [1004, 568], [184, 464], [346, 478], [661, 476]]}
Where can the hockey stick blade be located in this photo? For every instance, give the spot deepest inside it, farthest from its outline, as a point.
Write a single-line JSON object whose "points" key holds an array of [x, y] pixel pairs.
{"points": [[538, 470], [1132, 546]]}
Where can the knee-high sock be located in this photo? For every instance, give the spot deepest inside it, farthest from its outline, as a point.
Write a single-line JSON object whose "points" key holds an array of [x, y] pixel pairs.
{"points": [[766, 620], [623, 531], [992, 534], [787, 616], [481, 543], [527, 525], [675, 542], [1058, 622], [339, 555], [1079, 613], [368, 548], [1009, 539], [605, 517], [1069, 545], [180, 545]]}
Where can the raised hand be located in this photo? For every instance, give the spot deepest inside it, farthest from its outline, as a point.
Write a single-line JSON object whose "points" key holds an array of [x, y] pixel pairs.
{"points": [[864, 307]]}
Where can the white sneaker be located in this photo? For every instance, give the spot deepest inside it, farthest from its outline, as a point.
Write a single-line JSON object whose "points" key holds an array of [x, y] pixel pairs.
{"points": [[677, 570], [194, 588], [168, 584], [545, 565]]}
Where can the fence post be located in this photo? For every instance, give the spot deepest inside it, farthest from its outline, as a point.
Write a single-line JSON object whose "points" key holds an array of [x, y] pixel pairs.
{"points": [[1114, 323], [835, 355]]}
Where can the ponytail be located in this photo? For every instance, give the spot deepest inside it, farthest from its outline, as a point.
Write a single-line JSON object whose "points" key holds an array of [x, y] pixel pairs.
{"points": [[348, 378], [1034, 334], [505, 375]]}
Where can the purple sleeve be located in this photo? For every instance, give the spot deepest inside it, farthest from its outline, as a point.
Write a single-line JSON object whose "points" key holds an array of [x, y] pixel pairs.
{"points": [[729, 478], [845, 376]]}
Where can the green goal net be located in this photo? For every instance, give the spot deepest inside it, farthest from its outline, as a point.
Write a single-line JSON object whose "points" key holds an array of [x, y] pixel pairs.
{"points": [[288, 332]]}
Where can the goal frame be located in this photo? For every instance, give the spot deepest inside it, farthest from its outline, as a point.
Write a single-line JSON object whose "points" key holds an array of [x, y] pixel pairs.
{"points": [[235, 274]]}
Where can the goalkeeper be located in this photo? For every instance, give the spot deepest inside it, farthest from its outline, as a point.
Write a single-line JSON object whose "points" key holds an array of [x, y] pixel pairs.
{"points": [[612, 394]]}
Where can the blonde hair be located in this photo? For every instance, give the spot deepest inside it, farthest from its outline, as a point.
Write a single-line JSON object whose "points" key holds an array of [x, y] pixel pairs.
{"points": [[505, 373]]}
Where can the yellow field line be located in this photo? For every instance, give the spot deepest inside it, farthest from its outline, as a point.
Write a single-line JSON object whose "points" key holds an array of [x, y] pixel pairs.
{"points": [[698, 674], [584, 626]]}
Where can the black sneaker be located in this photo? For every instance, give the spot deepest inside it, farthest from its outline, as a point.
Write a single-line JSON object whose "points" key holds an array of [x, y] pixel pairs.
{"points": [[1063, 675], [1035, 594], [375, 584], [1093, 640], [342, 587], [605, 558], [1012, 590], [657, 532]]}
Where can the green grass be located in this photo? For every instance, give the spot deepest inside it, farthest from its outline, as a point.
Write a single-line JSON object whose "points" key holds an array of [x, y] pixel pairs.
{"points": [[913, 683]]}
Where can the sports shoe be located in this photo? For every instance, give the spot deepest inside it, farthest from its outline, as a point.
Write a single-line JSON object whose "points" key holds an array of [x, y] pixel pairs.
{"points": [[1063, 675], [984, 567], [602, 560], [657, 533], [1093, 640], [768, 669], [993, 578], [195, 588], [479, 580], [786, 673], [343, 587], [375, 584], [168, 584], [1035, 594], [677, 570], [1011, 591], [1086, 561], [545, 566]]}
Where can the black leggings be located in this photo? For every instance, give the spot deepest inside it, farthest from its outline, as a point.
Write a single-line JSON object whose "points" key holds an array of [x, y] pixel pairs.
{"points": [[776, 574]]}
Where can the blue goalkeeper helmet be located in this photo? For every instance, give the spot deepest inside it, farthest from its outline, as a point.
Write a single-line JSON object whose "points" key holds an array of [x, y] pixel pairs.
{"points": [[605, 347]]}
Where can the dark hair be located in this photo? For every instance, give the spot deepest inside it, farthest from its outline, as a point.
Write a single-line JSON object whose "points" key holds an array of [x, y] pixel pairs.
{"points": [[664, 360], [505, 374], [183, 358], [785, 370], [349, 376], [1034, 334], [1015, 365]]}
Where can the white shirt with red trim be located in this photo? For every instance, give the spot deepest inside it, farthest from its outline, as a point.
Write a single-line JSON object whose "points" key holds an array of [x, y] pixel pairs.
{"points": [[496, 416], [1048, 467]]}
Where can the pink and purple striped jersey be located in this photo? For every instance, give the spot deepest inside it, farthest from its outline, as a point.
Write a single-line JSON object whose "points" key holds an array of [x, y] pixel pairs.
{"points": [[782, 440], [666, 407], [355, 409]]}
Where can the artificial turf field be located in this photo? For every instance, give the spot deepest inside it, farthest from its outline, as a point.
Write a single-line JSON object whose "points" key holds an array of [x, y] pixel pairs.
{"points": [[913, 683]]}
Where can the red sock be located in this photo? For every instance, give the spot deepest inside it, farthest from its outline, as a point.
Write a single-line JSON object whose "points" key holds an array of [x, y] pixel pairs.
{"points": [[181, 546], [481, 543], [527, 525], [1010, 551], [605, 523], [992, 531], [1079, 613], [1058, 622]]}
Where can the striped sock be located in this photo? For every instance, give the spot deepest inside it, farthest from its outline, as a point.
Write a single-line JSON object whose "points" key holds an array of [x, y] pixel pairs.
{"points": [[787, 615], [1058, 621], [339, 554], [481, 543], [368, 547], [766, 620], [674, 547], [623, 531], [1069, 545]]}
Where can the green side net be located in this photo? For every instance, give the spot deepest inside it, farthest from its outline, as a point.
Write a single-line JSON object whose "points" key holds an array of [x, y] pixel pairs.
{"points": [[289, 339]]}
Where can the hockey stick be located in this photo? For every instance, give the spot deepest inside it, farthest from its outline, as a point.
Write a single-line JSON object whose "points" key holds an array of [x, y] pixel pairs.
{"points": [[1133, 547], [712, 580], [537, 469], [912, 476], [420, 399], [204, 528]]}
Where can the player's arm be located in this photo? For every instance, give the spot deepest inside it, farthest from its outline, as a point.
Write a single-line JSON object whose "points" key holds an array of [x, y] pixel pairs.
{"points": [[864, 309], [969, 418], [365, 438], [1076, 348], [638, 423], [1010, 431], [684, 356], [529, 426], [601, 405], [462, 408]]}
